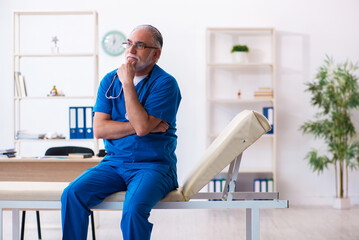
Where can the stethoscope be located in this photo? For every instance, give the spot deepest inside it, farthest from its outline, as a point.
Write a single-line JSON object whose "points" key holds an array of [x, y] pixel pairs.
{"points": [[113, 80]]}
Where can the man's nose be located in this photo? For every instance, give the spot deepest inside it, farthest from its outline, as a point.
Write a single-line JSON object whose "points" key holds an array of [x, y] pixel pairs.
{"points": [[132, 49]]}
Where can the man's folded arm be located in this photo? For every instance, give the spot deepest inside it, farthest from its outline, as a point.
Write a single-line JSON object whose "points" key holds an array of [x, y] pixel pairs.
{"points": [[141, 121], [106, 128]]}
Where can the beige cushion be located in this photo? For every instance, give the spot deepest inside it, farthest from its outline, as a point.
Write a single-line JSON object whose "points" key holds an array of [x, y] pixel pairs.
{"points": [[32, 191], [173, 196], [238, 135], [51, 191]]}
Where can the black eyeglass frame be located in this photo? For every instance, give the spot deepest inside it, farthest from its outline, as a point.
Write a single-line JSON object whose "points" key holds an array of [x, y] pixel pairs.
{"points": [[136, 45]]}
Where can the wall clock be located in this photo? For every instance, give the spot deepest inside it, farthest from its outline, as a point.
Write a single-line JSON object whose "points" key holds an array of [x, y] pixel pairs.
{"points": [[112, 43]]}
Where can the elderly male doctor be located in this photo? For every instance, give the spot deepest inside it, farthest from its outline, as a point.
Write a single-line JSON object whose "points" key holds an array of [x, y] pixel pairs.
{"points": [[135, 114]]}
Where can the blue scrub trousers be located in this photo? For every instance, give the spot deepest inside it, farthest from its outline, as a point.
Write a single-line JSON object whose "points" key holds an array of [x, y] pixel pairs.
{"points": [[145, 186]]}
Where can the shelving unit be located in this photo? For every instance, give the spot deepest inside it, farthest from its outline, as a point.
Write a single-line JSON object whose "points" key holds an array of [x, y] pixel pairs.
{"points": [[74, 70], [225, 78]]}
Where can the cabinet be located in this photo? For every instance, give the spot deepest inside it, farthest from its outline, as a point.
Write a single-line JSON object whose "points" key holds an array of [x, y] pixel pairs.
{"points": [[71, 65], [231, 87]]}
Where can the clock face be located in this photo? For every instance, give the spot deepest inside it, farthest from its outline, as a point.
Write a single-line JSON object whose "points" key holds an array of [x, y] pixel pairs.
{"points": [[112, 43]]}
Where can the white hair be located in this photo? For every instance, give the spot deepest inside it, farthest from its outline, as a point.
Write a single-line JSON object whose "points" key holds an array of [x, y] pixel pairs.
{"points": [[156, 35]]}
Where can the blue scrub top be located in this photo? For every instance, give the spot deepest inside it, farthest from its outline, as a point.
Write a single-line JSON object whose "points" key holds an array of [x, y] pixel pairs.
{"points": [[160, 96]]}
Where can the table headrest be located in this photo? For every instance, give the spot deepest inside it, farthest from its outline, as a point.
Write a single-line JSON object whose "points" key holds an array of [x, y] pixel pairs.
{"points": [[238, 135]]}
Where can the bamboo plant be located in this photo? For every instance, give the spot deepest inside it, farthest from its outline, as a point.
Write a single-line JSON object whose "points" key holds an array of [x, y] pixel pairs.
{"points": [[335, 91]]}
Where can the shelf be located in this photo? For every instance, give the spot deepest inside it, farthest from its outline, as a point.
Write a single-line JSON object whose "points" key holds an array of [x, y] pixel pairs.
{"points": [[57, 55], [30, 56], [223, 174], [53, 98], [225, 78], [240, 65], [239, 101]]}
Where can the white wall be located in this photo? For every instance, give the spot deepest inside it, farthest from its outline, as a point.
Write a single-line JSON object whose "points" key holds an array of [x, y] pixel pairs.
{"points": [[306, 31]]}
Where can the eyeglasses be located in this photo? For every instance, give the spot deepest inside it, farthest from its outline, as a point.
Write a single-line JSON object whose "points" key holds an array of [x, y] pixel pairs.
{"points": [[137, 46]]}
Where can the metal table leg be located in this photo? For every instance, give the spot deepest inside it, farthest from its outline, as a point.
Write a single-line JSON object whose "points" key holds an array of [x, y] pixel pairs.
{"points": [[252, 223], [15, 224]]}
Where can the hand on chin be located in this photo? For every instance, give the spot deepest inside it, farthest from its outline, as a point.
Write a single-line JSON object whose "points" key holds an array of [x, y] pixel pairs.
{"points": [[127, 70], [132, 60]]}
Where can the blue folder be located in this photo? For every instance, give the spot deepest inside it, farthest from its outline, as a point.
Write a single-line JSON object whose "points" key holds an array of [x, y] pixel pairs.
{"points": [[88, 122], [268, 112], [73, 122], [80, 122]]}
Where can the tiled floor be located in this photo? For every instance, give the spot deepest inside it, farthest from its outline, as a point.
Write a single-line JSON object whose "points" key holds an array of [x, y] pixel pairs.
{"points": [[295, 223]]}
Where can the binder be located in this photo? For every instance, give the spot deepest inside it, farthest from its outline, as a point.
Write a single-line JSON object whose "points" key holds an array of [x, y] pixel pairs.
{"points": [[263, 185], [81, 122], [88, 122], [256, 185], [218, 186], [73, 122], [211, 186], [270, 185], [268, 112], [80, 133], [223, 184]]}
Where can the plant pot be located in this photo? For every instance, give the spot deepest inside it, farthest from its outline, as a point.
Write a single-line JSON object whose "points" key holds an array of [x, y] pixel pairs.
{"points": [[341, 203], [241, 57]]}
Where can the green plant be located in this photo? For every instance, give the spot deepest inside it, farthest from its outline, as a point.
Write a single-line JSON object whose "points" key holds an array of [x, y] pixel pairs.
{"points": [[335, 91], [239, 48]]}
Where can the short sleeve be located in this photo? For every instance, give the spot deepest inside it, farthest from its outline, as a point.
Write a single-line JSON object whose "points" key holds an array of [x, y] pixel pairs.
{"points": [[163, 100], [102, 103]]}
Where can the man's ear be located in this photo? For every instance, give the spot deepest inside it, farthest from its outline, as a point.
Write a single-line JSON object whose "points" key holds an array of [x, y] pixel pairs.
{"points": [[157, 54]]}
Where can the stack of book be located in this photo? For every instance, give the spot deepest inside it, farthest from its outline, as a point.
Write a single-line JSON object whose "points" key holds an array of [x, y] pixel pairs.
{"points": [[8, 153], [20, 85], [264, 93], [22, 134]]}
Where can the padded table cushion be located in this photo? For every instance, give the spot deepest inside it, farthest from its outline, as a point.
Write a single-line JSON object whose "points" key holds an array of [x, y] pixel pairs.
{"points": [[237, 136], [51, 191], [31, 191]]}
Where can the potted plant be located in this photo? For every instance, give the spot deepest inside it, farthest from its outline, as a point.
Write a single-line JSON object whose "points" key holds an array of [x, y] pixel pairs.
{"points": [[335, 91], [240, 53]]}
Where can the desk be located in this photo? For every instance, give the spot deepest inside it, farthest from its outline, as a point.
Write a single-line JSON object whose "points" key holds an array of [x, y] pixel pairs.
{"points": [[44, 170]]}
